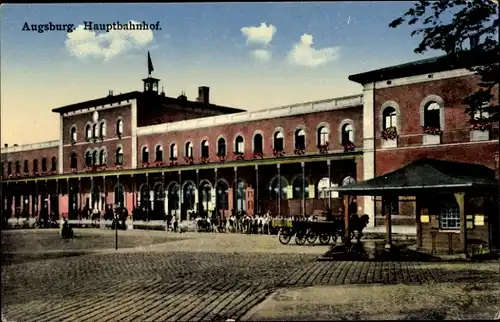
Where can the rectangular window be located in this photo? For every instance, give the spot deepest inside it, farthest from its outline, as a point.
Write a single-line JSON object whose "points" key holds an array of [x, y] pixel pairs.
{"points": [[391, 205], [449, 218]]}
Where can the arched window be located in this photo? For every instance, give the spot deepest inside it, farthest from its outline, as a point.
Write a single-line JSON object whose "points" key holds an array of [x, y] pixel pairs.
{"points": [[144, 202], [88, 131], [26, 168], [9, 168], [53, 164], [35, 166], [103, 129], [145, 154], [274, 188], [88, 158], [95, 157], [73, 134], [258, 143], [347, 133], [278, 141], [103, 158], [73, 161], [432, 116], [323, 134], [188, 150], [18, 167], [222, 195], [159, 153], [239, 144], [324, 186], [173, 151], [205, 195], [95, 131], [221, 147], [389, 116], [300, 188], [205, 150], [119, 156], [44, 164], [300, 139], [119, 127]]}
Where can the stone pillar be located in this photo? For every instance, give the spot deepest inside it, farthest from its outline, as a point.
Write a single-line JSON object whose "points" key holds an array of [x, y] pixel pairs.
{"points": [[249, 199], [257, 206], [181, 196], [230, 199], [279, 189], [329, 165], [235, 189], [303, 194]]}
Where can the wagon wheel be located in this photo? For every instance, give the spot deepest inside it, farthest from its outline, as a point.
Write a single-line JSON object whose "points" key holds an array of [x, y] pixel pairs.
{"points": [[284, 237], [324, 239], [311, 237], [300, 239]]}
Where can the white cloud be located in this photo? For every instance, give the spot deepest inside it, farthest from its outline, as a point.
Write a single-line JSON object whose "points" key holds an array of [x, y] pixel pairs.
{"points": [[261, 35], [303, 54], [106, 45], [262, 55]]}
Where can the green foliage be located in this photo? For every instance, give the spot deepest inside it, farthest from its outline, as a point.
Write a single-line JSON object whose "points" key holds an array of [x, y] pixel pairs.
{"points": [[449, 25]]}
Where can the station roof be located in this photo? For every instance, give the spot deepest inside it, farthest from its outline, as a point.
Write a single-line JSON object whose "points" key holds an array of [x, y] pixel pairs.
{"points": [[425, 174]]}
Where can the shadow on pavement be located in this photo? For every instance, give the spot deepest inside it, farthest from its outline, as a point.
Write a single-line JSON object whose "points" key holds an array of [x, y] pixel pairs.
{"points": [[10, 259], [375, 251]]}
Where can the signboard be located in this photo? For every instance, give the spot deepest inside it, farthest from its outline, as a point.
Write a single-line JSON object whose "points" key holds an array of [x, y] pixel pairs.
{"points": [[211, 206], [479, 220], [424, 219], [470, 225], [289, 192]]}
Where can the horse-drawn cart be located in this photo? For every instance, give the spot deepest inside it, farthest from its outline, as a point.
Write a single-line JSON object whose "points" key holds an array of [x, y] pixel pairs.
{"points": [[311, 231]]}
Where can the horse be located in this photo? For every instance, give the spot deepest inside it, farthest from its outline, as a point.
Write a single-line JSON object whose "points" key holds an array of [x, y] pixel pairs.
{"points": [[357, 223]]}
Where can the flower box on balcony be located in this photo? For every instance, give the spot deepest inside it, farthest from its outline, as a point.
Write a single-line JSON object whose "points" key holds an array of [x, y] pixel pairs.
{"points": [[145, 164], [18, 174], [73, 142], [221, 157], [258, 155], [278, 153], [53, 171], [189, 160], [299, 151], [158, 163], [102, 137], [348, 146], [480, 126], [323, 148], [239, 155], [119, 165], [88, 139], [204, 160], [390, 133], [119, 135], [173, 161], [431, 130], [26, 174], [73, 170]]}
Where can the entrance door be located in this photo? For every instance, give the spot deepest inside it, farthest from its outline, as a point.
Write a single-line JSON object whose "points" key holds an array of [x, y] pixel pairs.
{"points": [[73, 203]]}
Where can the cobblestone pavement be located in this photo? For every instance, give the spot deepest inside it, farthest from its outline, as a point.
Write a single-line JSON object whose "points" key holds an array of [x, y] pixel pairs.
{"points": [[204, 277]]}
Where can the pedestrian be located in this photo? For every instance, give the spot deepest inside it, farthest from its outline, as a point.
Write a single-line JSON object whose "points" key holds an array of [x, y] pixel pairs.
{"points": [[175, 223]]}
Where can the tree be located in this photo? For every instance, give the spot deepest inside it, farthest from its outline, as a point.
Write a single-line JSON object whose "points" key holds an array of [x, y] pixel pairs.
{"points": [[467, 30]]}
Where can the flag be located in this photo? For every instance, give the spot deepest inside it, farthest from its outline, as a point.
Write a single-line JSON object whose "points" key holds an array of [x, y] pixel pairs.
{"points": [[150, 64]]}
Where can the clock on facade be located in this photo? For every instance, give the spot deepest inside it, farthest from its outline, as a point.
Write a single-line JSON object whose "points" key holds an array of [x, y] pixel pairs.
{"points": [[95, 116], [348, 180]]}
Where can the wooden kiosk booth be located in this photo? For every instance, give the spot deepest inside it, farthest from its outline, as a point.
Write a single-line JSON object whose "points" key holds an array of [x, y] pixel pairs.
{"points": [[456, 204]]}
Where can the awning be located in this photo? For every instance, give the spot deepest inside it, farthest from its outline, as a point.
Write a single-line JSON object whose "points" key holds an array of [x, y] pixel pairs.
{"points": [[425, 174]]}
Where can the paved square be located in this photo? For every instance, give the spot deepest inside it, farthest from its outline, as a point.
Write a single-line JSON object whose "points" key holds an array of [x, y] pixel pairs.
{"points": [[186, 277]]}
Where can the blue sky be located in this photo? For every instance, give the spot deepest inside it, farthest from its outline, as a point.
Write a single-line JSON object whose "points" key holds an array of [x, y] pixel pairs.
{"points": [[199, 44]]}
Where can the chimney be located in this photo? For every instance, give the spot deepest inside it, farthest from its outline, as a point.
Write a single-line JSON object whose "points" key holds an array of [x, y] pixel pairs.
{"points": [[6, 145], [15, 145], [203, 94]]}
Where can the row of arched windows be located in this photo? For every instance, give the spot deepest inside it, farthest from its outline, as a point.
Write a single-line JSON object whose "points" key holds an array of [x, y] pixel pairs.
{"points": [[97, 130], [278, 143], [35, 169], [97, 157]]}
